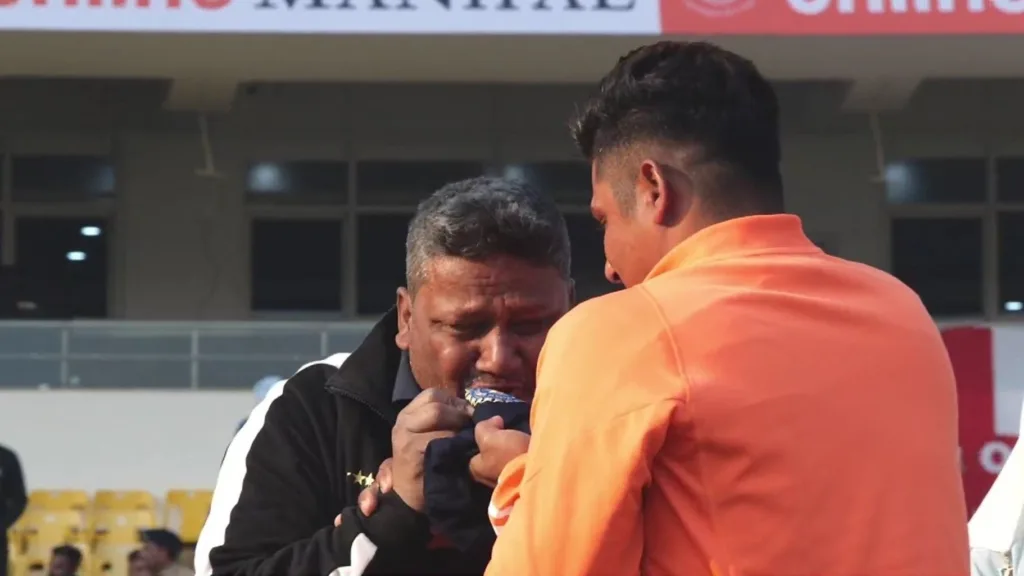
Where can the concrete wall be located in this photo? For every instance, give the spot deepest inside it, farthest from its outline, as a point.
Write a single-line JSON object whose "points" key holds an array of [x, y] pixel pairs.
{"points": [[154, 441], [180, 244]]}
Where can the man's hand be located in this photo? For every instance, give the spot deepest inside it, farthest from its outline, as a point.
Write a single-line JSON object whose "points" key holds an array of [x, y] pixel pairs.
{"points": [[433, 414], [370, 495], [497, 448]]}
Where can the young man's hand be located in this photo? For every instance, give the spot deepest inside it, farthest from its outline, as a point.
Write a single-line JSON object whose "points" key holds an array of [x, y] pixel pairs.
{"points": [[497, 447]]}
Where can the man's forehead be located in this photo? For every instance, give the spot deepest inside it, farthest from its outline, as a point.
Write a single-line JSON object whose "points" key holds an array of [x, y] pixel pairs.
{"points": [[456, 272], [461, 285]]}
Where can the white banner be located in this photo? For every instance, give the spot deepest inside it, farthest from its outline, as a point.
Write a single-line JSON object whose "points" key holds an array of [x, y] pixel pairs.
{"points": [[562, 17]]}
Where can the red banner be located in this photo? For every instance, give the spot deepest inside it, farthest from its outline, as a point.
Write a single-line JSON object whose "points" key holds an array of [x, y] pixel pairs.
{"points": [[982, 451], [842, 17]]}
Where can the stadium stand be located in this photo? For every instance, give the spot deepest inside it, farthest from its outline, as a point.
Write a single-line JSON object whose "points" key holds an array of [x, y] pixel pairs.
{"points": [[185, 512], [104, 527]]}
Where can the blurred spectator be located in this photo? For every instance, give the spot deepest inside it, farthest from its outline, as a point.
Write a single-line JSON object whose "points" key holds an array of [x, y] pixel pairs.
{"points": [[160, 553], [65, 561], [137, 565], [260, 391], [12, 499]]}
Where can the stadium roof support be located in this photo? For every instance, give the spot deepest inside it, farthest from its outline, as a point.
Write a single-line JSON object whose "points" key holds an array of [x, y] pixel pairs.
{"points": [[879, 94], [201, 95]]}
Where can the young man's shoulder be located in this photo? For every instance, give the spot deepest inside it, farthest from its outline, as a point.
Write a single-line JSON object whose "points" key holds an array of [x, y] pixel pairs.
{"points": [[632, 305], [610, 327]]}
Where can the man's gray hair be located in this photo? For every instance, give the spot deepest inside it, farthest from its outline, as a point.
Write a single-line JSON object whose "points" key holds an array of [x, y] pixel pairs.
{"points": [[484, 217]]}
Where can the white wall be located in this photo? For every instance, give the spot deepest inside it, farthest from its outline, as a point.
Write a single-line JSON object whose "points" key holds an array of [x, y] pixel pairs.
{"points": [[153, 441], [181, 241]]}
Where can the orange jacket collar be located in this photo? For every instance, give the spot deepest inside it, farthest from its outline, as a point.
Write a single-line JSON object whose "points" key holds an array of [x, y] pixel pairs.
{"points": [[738, 236]]}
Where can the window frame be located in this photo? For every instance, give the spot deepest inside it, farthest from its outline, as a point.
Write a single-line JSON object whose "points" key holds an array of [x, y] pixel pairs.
{"points": [[988, 211], [102, 207], [370, 211], [297, 211]]}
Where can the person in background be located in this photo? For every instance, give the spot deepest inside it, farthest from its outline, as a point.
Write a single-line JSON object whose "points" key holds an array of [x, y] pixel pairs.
{"points": [[160, 551], [487, 274], [13, 498], [137, 564], [65, 561], [748, 404], [260, 391]]}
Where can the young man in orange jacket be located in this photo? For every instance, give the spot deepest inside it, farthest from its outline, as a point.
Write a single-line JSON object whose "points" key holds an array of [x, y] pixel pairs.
{"points": [[749, 404]]}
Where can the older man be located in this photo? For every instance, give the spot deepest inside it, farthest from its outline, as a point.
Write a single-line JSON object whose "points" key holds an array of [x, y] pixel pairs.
{"points": [[487, 267]]}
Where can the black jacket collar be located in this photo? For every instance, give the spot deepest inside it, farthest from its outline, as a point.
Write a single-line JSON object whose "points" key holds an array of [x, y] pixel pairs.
{"points": [[368, 374]]}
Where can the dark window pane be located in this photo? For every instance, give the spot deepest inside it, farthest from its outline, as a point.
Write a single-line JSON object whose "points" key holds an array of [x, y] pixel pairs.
{"points": [[296, 265], [45, 178], [941, 260], [60, 269], [381, 260], [936, 181], [587, 257], [1011, 262], [312, 181], [398, 183], [1010, 179], [566, 182]]}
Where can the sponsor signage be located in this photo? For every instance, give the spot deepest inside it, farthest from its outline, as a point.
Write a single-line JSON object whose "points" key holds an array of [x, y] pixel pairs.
{"points": [[990, 391], [561, 17], [842, 17], [566, 17]]}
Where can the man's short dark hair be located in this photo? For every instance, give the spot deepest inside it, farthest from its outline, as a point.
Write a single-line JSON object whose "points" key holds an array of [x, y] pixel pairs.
{"points": [[696, 94], [484, 217], [74, 555]]}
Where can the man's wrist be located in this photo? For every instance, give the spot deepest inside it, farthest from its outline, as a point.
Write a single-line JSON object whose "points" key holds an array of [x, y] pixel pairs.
{"points": [[394, 524]]}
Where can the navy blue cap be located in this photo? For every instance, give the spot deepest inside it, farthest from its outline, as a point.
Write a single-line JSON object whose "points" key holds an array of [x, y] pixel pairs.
{"points": [[165, 539]]}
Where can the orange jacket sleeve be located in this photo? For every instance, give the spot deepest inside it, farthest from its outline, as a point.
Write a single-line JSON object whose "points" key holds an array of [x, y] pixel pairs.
{"points": [[506, 493], [573, 503]]}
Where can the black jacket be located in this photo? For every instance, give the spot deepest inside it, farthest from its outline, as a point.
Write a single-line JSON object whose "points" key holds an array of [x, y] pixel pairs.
{"points": [[12, 499], [302, 458]]}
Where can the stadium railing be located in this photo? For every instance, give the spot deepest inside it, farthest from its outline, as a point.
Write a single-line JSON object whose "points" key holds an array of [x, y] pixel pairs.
{"points": [[161, 355]]}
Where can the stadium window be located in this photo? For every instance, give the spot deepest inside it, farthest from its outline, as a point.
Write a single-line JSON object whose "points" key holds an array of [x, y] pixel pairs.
{"points": [[587, 256], [296, 265], [567, 182], [61, 267], [61, 178], [1011, 254], [941, 259], [406, 183], [1010, 180], [301, 181], [380, 268], [937, 181]]}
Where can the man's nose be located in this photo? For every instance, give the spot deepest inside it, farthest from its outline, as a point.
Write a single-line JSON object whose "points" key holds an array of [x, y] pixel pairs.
{"points": [[497, 353], [611, 274]]}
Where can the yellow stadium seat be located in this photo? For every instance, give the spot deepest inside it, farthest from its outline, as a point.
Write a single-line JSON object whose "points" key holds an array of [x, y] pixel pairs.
{"points": [[15, 552], [30, 564], [59, 499], [111, 560], [120, 527], [41, 530], [185, 512], [124, 500], [16, 536]]}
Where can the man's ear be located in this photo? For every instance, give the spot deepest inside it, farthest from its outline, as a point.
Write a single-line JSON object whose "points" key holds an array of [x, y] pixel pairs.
{"points": [[404, 306], [654, 192]]}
